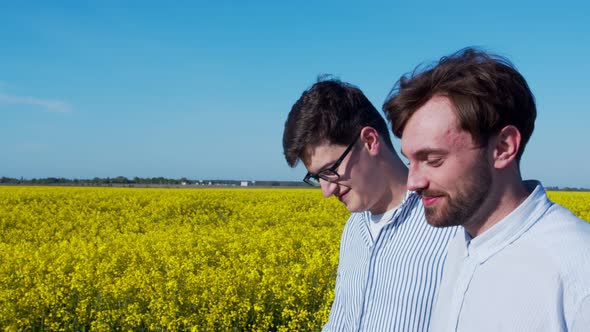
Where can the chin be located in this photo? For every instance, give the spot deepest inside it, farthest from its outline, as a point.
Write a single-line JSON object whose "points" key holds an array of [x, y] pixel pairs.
{"points": [[354, 208], [352, 205]]}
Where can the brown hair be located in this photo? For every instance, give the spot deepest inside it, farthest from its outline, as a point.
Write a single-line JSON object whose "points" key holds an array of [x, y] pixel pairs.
{"points": [[331, 111], [487, 92]]}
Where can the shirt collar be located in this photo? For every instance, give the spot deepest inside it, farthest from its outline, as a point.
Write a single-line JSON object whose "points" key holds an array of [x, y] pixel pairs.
{"points": [[511, 227]]}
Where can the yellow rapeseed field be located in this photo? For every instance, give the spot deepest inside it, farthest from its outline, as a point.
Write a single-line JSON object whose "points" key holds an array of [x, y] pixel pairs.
{"points": [[100, 259], [105, 259], [576, 201]]}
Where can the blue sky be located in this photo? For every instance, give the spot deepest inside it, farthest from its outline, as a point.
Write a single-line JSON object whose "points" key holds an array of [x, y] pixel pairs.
{"points": [[202, 89]]}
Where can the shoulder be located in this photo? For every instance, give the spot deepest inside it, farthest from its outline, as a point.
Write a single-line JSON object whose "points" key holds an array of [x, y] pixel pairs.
{"points": [[560, 243], [413, 200], [561, 229], [354, 224], [557, 234], [411, 208], [559, 237], [355, 219]]}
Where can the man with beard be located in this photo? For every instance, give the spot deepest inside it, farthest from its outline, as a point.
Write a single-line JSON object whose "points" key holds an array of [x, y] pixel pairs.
{"points": [[522, 263], [390, 259]]}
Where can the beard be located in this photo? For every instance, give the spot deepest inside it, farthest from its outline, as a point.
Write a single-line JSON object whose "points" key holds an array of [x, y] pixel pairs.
{"points": [[464, 205]]}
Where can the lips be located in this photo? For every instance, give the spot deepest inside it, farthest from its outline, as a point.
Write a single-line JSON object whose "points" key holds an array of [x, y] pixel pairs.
{"points": [[430, 200], [342, 196], [431, 197]]}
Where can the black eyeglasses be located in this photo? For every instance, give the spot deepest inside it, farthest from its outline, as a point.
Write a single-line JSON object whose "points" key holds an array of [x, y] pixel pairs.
{"points": [[328, 174]]}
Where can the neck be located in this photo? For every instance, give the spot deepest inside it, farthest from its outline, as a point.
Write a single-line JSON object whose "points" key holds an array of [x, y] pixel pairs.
{"points": [[503, 199], [390, 183]]}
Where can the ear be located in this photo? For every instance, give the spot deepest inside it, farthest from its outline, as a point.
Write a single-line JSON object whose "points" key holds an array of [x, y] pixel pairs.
{"points": [[507, 144], [371, 140]]}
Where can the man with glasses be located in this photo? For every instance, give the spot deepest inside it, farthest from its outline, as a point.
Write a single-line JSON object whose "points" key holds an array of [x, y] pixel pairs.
{"points": [[391, 259]]}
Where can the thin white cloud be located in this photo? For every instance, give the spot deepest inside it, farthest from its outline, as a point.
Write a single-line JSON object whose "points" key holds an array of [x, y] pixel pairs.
{"points": [[49, 105]]}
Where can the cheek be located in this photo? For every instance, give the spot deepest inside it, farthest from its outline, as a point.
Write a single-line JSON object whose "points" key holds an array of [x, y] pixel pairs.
{"points": [[361, 186], [446, 178], [464, 176]]}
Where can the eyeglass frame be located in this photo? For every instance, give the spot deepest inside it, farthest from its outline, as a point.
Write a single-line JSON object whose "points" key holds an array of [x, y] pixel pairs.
{"points": [[332, 169]]}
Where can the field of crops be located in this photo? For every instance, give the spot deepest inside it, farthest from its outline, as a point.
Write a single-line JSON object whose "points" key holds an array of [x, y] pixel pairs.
{"points": [[108, 259], [172, 259], [577, 202]]}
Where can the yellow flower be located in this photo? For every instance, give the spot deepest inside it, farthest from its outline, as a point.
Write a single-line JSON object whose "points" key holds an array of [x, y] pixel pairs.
{"points": [[152, 259]]}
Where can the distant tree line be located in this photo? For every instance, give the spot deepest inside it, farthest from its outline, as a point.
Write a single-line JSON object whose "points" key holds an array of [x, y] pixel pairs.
{"points": [[566, 189], [137, 181], [162, 181]]}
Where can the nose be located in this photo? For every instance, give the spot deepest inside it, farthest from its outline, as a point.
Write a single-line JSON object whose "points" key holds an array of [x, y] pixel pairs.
{"points": [[417, 180], [328, 188]]}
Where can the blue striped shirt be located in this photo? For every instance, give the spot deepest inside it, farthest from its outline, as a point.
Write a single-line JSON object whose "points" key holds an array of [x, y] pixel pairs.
{"points": [[389, 284]]}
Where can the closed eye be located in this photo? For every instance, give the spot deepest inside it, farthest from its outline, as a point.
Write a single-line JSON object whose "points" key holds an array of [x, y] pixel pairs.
{"points": [[434, 162]]}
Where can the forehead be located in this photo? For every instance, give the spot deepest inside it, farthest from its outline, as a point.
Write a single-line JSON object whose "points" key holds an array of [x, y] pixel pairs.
{"points": [[434, 126], [321, 156]]}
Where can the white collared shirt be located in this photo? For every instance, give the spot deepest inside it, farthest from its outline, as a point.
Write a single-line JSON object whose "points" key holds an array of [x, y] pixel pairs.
{"points": [[529, 272]]}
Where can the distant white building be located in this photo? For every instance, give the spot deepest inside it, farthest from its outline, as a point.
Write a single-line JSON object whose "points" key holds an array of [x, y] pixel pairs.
{"points": [[244, 184]]}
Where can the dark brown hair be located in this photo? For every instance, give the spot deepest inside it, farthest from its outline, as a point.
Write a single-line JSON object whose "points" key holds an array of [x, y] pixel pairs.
{"points": [[487, 93], [330, 111]]}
